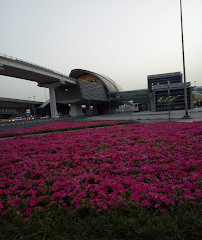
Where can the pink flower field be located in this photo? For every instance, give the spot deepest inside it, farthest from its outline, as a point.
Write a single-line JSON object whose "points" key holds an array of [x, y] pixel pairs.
{"points": [[57, 126], [153, 165]]}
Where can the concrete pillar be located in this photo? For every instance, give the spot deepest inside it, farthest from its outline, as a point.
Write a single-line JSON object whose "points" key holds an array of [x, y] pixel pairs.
{"points": [[95, 110], [76, 110], [88, 111], [53, 107]]}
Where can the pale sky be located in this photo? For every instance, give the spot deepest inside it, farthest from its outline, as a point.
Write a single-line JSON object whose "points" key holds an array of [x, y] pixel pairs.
{"points": [[123, 39]]}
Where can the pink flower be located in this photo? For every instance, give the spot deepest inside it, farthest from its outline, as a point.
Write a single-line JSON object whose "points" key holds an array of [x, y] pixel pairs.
{"points": [[1, 205], [163, 210], [105, 206], [4, 213], [149, 165]]}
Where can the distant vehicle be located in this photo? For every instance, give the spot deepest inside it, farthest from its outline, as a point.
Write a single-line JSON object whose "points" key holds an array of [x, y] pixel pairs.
{"points": [[18, 118], [137, 107], [45, 117], [11, 120], [3, 120]]}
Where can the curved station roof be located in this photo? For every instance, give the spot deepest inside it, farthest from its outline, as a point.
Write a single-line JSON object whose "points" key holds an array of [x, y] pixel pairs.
{"points": [[109, 84]]}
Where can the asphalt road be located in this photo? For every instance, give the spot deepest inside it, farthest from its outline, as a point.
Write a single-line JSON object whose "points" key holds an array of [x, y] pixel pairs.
{"points": [[146, 117]]}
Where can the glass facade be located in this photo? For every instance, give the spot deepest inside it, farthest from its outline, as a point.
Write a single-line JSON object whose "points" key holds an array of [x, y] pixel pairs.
{"points": [[160, 79], [175, 99], [109, 84]]}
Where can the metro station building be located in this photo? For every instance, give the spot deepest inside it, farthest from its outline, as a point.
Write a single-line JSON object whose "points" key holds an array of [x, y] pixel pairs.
{"points": [[96, 92], [93, 90]]}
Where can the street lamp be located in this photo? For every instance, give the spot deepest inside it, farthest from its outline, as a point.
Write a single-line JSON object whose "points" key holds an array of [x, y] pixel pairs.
{"points": [[28, 111], [29, 99], [184, 72], [45, 93], [195, 86], [34, 107]]}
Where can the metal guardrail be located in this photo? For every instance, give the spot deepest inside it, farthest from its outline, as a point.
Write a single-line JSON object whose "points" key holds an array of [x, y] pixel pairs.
{"points": [[33, 64]]}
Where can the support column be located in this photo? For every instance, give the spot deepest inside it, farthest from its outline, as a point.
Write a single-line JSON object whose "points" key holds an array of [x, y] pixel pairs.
{"points": [[53, 107], [76, 110], [95, 110], [88, 113]]}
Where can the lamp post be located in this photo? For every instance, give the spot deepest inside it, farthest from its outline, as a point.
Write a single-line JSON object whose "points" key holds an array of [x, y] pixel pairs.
{"points": [[195, 86], [184, 72], [34, 107], [29, 110], [45, 93], [168, 100], [29, 98]]}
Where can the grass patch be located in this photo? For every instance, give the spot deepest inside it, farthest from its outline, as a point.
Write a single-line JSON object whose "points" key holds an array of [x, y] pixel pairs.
{"points": [[64, 129], [138, 224]]}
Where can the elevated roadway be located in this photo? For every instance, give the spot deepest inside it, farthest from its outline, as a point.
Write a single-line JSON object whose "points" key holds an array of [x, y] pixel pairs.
{"points": [[13, 67]]}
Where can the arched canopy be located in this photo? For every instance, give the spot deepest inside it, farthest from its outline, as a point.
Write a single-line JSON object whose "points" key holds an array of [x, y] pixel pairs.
{"points": [[109, 84]]}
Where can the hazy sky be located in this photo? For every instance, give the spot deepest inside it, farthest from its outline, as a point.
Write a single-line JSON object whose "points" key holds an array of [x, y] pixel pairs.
{"points": [[123, 39]]}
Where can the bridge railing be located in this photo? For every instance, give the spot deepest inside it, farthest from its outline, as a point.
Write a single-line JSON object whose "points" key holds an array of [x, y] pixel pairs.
{"points": [[33, 64]]}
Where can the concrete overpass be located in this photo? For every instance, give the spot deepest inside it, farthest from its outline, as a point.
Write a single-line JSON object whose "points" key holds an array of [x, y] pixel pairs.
{"points": [[13, 67], [10, 107]]}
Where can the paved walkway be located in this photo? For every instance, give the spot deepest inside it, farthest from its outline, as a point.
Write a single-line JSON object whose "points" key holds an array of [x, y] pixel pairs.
{"points": [[195, 115]]}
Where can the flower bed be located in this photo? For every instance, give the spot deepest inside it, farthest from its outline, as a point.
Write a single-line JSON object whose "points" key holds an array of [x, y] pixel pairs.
{"points": [[56, 126], [154, 165]]}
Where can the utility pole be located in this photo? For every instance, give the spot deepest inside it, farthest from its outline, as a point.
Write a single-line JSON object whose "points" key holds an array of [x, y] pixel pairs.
{"points": [[34, 107], [195, 86], [45, 93], [168, 100], [184, 71], [29, 99], [29, 110]]}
